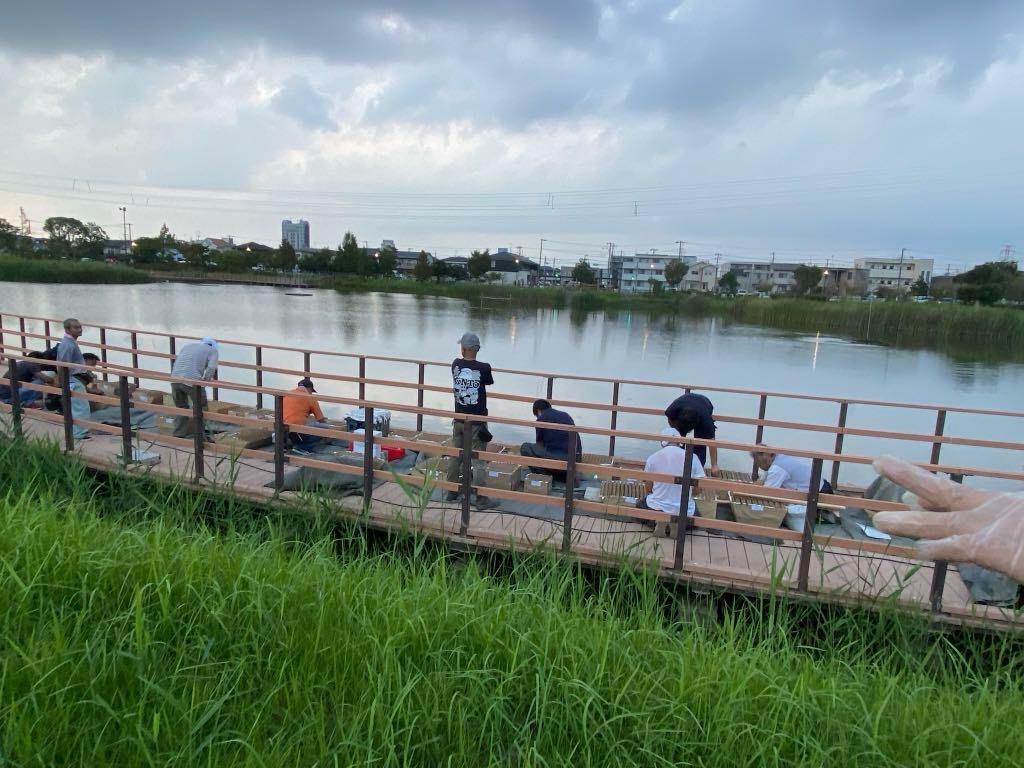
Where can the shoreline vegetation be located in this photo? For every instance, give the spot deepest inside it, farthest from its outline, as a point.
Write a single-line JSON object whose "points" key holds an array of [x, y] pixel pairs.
{"points": [[14, 269], [151, 625]]}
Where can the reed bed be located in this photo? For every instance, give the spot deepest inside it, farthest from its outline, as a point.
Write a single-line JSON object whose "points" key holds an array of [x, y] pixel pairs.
{"points": [[144, 625], [14, 269]]}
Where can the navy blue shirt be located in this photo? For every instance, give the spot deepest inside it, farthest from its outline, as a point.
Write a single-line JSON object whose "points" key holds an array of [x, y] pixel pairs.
{"points": [[556, 440], [703, 428], [26, 372]]}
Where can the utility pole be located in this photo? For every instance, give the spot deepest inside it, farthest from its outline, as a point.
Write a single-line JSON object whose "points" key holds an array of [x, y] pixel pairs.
{"points": [[519, 251], [680, 243], [540, 254], [124, 229], [718, 258], [899, 277]]}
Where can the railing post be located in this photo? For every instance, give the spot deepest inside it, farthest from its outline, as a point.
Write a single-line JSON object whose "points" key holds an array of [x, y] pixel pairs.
{"points": [[135, 354], [368, 460], [551, 386], [259, 378], [843, 410], [213, 386], [21, 327], [15, 385], [103, 352], [570, 496], [307, 362], [127, 456], [684, 502], [938, 586], [812, 515], [280, 442], [419, 396], [65, 403], [172, 347], [46, 331], [762, 409], [615, 418], [362, 375], [199, 437], [940, 427], [466, 457]]}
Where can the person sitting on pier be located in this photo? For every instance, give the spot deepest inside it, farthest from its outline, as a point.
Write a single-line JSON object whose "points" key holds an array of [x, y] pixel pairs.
{"points": [[68, 350], [297, 408], [470, 379], [666, 496], [790, 472], [695, 413], [550, 443], [27, 372], [197, 361]]}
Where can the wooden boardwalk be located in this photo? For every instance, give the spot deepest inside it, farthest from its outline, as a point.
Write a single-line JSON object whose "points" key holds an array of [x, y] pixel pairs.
{"points": [[712, 558]]}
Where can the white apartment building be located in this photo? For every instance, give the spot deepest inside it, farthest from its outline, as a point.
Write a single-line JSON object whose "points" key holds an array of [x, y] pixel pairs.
{"points": [[896, 273], [701, 277], [763, 277], [633, 274]]}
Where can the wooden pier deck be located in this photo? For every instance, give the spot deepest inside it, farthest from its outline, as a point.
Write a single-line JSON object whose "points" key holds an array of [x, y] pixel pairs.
{"points": [[705, 552]]}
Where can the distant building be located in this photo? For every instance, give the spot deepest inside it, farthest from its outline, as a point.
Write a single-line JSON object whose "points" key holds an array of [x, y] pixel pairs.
{"points": [[635, 274], [514, 269], [296, 233], [845, 281], [701, 277], [897, 274], [218, 243], [764, 277]]}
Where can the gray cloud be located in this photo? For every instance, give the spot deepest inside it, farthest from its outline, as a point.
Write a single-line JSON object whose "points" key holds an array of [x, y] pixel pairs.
{"points": [[298, 100]]}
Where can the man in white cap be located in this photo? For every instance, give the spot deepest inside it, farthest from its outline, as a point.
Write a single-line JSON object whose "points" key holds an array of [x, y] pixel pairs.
{"points": [[666, 497], [196, 361], [470, 379]]}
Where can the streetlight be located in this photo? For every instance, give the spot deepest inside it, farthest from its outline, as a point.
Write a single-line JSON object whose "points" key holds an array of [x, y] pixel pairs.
{"points": [[124, 229]]}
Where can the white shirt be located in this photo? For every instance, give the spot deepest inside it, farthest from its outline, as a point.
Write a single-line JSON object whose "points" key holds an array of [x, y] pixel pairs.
{"points": [[789, 472], [195, 361], [666, 497]]}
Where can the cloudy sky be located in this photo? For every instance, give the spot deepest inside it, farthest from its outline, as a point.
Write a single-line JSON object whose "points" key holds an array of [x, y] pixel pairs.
{"points": [[814, 129]]}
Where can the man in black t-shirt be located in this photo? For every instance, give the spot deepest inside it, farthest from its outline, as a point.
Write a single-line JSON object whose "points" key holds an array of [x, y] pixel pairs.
{"points": [[470, 379], [695, 413]]}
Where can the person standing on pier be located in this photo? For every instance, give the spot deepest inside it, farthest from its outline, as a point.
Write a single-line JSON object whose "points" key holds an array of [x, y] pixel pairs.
{"points": [[695, 413], [68, 350], [197, 361], [470, 379]]}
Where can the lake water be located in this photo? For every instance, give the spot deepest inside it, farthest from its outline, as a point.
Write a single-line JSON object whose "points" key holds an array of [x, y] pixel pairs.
{"points": [[712, 352]]}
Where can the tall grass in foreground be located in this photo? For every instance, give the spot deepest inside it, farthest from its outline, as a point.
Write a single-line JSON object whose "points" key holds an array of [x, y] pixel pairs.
{"points": [[146, 626], [18, 270]]}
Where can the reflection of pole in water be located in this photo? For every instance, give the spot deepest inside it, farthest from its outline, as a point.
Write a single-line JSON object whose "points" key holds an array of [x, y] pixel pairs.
{"points": [[647, 335], [814, 357], [512, 329]]}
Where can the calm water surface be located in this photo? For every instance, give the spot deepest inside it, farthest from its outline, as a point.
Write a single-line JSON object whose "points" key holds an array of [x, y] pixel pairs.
{"points": [[629, 345]]}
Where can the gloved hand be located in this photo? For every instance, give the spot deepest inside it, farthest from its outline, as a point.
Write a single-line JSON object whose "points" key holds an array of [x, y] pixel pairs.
{"points": [[958, 524]]}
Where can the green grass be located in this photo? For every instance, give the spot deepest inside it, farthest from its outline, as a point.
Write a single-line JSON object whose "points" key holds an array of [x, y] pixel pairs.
{"points": [[144, 626], [18, 270]]}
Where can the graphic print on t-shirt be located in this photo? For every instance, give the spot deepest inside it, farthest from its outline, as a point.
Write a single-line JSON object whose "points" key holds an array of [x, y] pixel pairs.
{"points": [[467, 387]]}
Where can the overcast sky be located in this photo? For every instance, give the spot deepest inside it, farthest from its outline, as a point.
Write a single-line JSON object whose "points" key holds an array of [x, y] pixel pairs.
{"points": [[811, 129]]}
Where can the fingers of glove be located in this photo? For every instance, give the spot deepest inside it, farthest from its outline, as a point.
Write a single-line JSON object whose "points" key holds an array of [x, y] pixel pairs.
{"points": [[919, 524], [930, 491], [954, 549]]}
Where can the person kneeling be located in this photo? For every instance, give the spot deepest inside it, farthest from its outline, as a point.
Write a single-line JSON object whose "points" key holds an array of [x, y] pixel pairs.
{"points": [[550, 443], [666, 497]]}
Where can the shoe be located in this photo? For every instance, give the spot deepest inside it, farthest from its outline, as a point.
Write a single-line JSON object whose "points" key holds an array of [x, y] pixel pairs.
{"points": [[482, 502], [452, 496]]}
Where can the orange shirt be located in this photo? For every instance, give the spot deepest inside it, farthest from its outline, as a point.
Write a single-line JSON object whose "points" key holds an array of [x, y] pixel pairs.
{"points": [[297, 409]]}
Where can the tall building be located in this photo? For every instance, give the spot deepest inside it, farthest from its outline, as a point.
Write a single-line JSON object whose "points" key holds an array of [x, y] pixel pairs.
{"points": [[296, 233]]}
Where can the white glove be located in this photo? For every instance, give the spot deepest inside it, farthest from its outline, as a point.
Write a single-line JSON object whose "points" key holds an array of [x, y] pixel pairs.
{"points": [[959, 524]]}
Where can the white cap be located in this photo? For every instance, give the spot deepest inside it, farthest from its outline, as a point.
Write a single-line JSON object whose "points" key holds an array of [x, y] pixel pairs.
{"points": [[209, 341], [669, 432]]}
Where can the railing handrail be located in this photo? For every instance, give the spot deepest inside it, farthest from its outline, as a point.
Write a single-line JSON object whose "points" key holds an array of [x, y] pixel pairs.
{"points": [[554, 375]]}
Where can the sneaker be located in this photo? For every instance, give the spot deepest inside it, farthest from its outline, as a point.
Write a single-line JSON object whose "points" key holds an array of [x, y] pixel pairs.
{"points": [[452, 496], [482, 502]]}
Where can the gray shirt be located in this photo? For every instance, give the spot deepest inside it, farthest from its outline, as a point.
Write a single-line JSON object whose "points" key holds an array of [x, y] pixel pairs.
{"points": [[68, 351], [195, 361]]}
